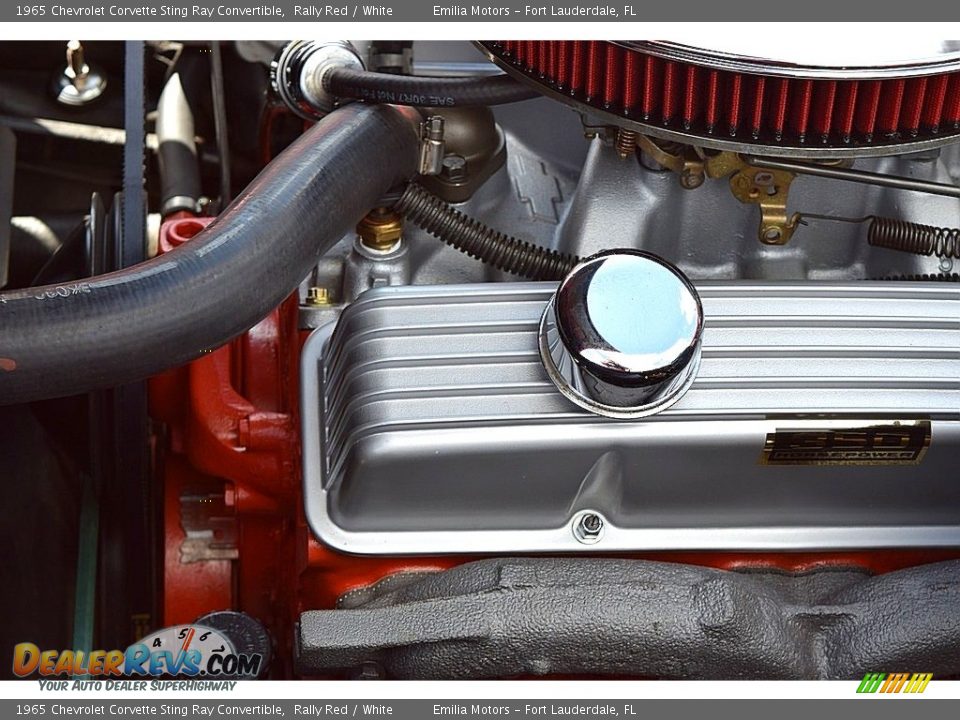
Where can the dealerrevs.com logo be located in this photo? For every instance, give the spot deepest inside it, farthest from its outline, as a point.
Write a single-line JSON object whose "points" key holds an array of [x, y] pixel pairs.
{"points": [[188, 651]]}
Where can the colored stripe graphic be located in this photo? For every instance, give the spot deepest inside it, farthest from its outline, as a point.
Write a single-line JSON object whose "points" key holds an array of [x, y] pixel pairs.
{"points": [[871, 682], [894, 683], [918, 682]]}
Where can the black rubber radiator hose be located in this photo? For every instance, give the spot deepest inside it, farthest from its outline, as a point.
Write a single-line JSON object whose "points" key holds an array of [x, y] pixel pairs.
{"points": [[112, 329], [425, 91]]}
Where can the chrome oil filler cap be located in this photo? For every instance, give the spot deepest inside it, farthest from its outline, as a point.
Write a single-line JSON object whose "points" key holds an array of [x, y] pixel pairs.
{"points": [[621, 336]]}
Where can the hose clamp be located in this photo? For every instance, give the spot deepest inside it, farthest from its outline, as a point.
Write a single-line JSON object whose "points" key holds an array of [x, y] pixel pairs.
{"points": [[296, 74]]}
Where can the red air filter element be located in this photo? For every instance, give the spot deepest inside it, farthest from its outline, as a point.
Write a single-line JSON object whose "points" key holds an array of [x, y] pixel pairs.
{"points": [[729, 108]]}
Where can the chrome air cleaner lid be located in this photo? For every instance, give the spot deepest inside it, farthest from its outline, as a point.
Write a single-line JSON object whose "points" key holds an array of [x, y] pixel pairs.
{"points": [[621, 336]]}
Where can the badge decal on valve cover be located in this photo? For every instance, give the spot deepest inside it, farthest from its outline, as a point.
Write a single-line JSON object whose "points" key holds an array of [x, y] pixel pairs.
{"points": [[896, 443]]}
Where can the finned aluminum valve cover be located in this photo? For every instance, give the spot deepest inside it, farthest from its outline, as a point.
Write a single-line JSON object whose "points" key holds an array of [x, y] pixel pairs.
{"points": [[823, 416]]}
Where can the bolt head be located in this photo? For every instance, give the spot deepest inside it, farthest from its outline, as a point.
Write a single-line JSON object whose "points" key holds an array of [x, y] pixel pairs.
{"points": [[591, 523], [588, 528], [772, 234], [691, 180], [454, 167]]}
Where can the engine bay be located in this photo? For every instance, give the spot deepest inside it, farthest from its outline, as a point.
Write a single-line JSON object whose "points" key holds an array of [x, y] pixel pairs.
{"points": [[501, 359]]}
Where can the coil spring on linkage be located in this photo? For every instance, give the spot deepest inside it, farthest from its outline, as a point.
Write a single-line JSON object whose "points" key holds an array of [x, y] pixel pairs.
{"points": [[472, 237], [914, 237], [925, 277]]}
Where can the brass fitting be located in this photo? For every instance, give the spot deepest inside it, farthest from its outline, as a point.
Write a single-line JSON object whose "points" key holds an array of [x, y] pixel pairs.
{"points": [[318, 296], [381, 229]]}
